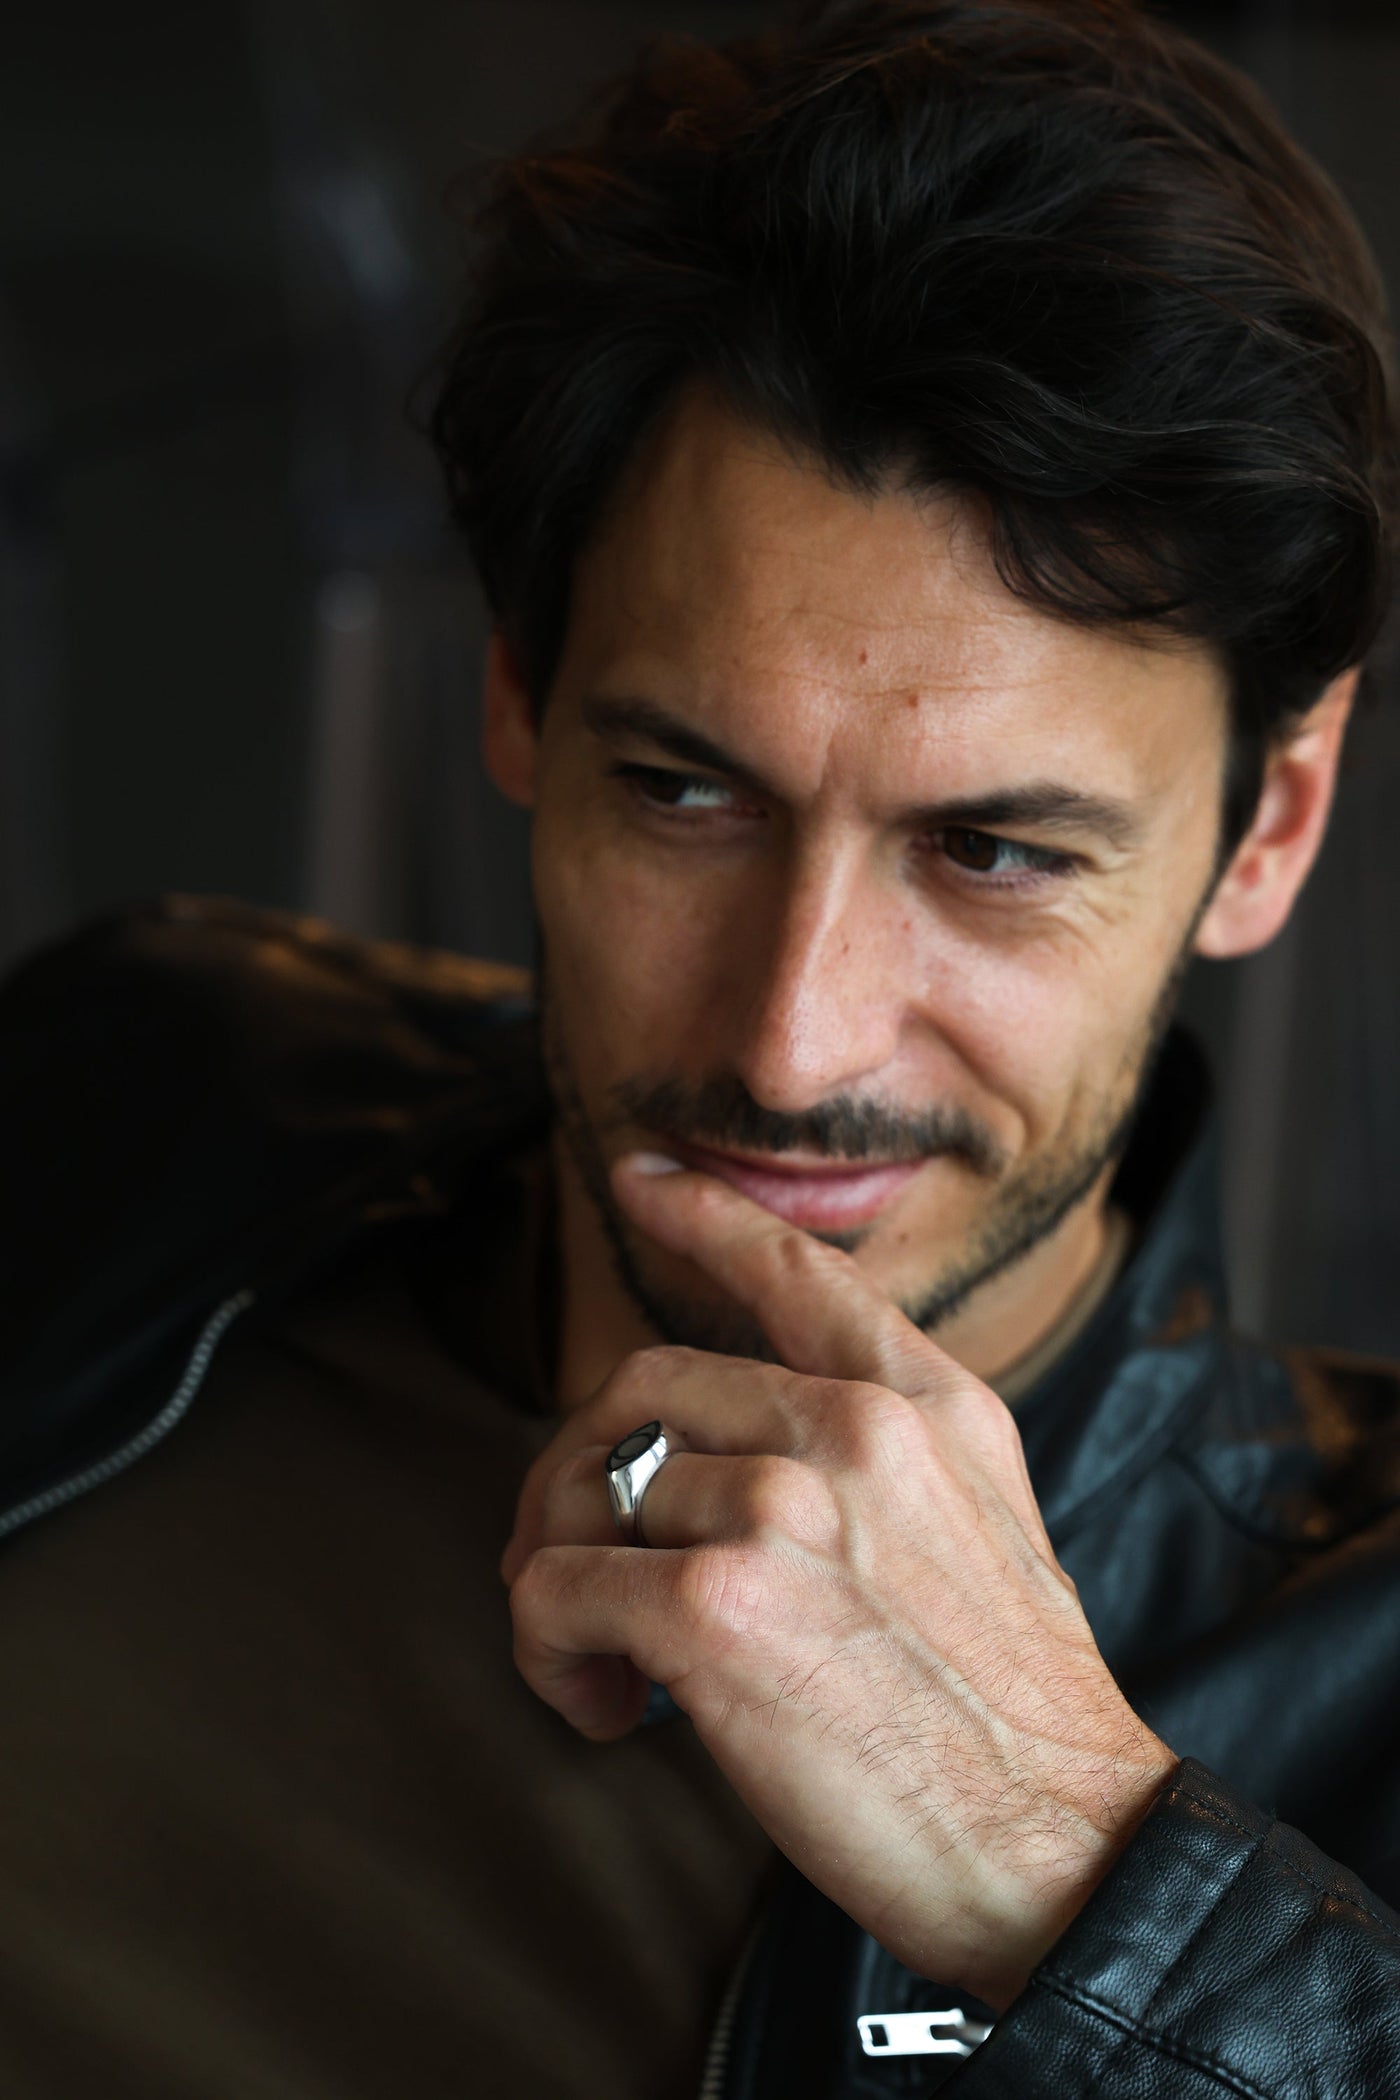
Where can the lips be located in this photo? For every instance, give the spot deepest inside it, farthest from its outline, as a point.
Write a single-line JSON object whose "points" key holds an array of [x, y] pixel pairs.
{"points": [[824, 1198]]}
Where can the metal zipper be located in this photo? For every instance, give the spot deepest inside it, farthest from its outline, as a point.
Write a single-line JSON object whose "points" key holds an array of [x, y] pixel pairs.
{"points": [[951, 2033], [722, 2033], [136, 1447]]}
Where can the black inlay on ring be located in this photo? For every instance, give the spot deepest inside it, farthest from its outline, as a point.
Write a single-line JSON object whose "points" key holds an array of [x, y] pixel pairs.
{"points": [[632, 1447]]}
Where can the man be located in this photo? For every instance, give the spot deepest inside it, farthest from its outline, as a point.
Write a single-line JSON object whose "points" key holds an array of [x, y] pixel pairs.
{"points": [[932, 471]]}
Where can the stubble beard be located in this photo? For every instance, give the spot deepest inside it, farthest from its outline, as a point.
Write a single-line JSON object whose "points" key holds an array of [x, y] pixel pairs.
{"points": [[1028, 1208]]}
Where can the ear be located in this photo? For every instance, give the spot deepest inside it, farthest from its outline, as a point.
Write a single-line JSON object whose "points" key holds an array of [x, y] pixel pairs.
{"points": [[1256, 893], [509, 739]]}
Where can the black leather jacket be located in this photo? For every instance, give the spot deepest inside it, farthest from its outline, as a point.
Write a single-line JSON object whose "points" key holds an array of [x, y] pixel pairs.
{"points": [[206, 1107]]}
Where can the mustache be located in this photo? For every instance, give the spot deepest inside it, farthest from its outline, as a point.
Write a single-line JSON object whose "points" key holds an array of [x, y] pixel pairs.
{"points": [[722, 1113]]}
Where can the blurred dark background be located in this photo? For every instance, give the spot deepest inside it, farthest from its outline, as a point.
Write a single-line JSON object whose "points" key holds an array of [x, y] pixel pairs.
{"points": [[238, 649]]}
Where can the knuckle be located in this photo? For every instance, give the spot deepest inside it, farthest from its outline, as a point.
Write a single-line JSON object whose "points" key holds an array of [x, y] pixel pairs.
{"points": [[883, 1427], [975, 1412], [573, 1483], [794, 1256], [534, 1592], [655, 1361], [720, 1591], [640, 1376]]}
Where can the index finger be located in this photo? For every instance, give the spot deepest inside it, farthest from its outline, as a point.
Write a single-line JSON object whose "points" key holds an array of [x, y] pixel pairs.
{"points": [[821, 1313]]}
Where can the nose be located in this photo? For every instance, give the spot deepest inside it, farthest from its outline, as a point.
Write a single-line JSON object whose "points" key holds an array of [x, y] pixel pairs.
{"points": [[829, 976]]}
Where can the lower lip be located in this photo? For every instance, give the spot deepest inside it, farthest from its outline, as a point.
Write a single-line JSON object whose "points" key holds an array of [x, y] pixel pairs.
{"points": [[819, 1202]]}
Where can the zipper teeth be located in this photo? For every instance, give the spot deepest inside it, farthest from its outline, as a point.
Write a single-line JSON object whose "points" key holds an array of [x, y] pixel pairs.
{"points": [[160, 1426], [722, 2033]]}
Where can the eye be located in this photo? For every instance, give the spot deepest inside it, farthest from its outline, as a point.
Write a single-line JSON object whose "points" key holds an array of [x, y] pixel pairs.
{"points": [[687, 794], [1007, 862]]}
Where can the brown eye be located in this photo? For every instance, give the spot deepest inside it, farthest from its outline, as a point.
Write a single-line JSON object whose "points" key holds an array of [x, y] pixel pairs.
{"points": [[972, 849]]}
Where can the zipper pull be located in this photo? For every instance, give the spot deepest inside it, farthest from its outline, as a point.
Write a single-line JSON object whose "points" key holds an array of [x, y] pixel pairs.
{"points": [[949, 2033]]}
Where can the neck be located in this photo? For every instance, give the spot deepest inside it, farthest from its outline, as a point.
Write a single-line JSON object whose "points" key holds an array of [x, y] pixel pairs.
{"points": [[1004, 1321], [1011, 1316]]}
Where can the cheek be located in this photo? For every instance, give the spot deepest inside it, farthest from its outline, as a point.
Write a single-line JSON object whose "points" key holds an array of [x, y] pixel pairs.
{"points": [[631, 965], [1041, 1027]]}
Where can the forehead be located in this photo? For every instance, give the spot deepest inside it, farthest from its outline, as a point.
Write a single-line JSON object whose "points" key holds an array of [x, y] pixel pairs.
{"points": [[733, 580]]}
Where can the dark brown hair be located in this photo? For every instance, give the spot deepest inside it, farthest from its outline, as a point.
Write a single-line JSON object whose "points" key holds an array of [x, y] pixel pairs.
{"points": [[1048, 251]]}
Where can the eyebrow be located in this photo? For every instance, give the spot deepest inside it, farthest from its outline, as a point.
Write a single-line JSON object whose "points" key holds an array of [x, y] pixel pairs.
{"points": [[1048, 805], [616, 720]]}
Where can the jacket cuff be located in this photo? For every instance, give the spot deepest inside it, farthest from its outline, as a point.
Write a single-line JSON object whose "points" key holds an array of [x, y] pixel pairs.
{"points": [[1222, 1953]]}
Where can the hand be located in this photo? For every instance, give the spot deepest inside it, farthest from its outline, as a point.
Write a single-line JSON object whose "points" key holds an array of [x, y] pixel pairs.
{"points": [[849, 1590]]}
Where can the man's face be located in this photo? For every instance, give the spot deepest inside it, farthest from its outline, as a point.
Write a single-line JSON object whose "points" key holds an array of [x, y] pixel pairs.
{"points": [[859, 881]]}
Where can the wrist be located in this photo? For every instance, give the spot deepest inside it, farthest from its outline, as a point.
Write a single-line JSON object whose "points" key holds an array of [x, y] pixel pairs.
{"points": [[1065, 1852]]}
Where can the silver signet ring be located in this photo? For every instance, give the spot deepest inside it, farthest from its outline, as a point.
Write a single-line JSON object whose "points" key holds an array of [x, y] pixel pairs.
{"points": [[631, 1467]]}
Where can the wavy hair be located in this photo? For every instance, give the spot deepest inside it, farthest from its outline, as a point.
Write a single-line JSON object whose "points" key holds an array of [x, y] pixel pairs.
{"points": [[1050, 253]]}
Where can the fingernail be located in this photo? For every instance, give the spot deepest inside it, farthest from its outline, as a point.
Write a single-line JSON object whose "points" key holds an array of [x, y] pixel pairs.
{"points": [[651, 1163]]}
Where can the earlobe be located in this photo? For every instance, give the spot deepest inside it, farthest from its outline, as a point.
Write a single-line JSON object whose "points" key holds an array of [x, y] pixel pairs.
{"points": [[509, 741], [1257, 892]]}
